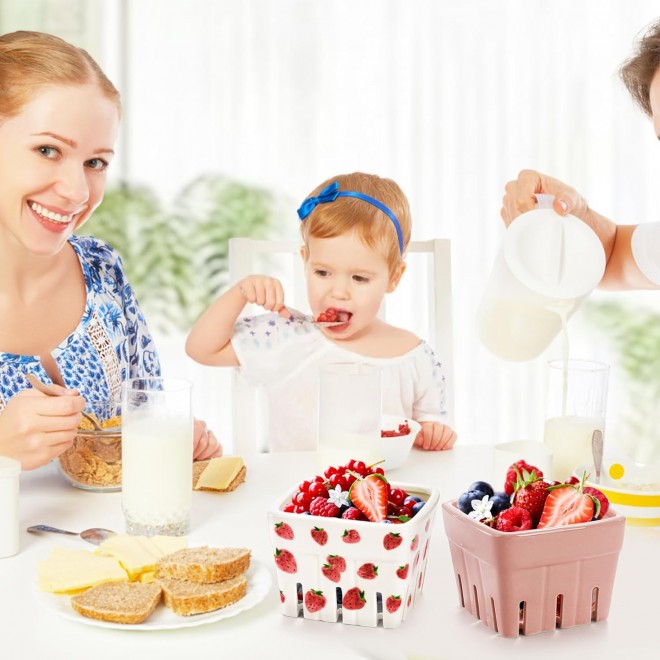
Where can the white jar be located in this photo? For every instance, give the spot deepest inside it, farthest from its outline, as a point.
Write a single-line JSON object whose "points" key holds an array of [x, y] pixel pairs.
{"points": [[547, 266], [10, 470]]}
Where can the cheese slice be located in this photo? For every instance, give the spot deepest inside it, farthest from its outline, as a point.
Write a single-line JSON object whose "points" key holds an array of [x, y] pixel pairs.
{"points": [[220, 472], [139, 554], [68, 571]]}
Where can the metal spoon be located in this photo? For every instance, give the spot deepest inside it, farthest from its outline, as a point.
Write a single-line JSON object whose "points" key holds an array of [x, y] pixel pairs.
{"points": [[45, 389], [95, 535], [308, 318], [597, 451]]}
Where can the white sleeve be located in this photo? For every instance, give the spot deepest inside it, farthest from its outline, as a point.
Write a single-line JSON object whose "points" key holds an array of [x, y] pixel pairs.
{"points": [[429, 403], [645, 244]]}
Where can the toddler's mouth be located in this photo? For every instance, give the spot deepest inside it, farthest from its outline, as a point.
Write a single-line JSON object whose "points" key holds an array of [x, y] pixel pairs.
{"points": [[333, 315]]}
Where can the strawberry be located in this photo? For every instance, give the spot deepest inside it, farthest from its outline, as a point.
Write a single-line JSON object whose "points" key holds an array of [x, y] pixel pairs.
{"points": [[568, 504], [284, 530], [415, 543], [368, 571], [513, 519], [353, 599], [392, 541], [530, 493], [285, 561], [370, 496], [319, 535], [350, 536], [511, 475], [282, 597], [331, 572], [393, 603], [314, 600], [604, 502], [336, 560], [322, 506], [402, 572], [353, 513]]}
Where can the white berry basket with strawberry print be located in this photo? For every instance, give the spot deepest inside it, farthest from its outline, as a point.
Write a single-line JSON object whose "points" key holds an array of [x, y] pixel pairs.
{"points": [[354, 571], [535, 580]]}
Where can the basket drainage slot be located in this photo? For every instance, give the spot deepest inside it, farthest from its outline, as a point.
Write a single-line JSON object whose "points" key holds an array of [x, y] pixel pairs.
{"points": [[522, 617], [560, 610], [476, 601], [594, 603]]}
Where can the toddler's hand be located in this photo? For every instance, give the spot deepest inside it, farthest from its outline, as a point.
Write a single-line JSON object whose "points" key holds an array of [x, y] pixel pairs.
{"points": [[205, 444], [264, 291], [435, 436]]}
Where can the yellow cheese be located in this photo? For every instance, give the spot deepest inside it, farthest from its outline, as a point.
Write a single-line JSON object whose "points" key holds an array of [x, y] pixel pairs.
{"points": [[220, 472], [139, 554], [74, 570]]}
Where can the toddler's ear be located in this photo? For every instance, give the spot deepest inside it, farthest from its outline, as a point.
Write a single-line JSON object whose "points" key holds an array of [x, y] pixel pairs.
{"points": [[396, 277], [303, 253]]}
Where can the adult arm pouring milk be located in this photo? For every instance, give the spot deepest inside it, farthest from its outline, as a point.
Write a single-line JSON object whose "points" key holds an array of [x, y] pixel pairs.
{"points": [[632, 251]]}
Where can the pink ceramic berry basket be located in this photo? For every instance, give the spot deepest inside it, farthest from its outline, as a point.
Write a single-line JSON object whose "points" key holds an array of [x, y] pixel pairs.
{"points": [[365, 572], [537, 580]]}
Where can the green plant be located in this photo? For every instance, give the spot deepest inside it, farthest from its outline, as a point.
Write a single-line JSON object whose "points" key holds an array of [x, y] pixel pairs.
{"points": [[633, 333], [177, 258]]}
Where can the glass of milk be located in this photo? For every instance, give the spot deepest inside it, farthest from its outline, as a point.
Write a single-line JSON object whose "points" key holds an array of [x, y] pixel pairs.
{"points": [[157, 446], [576, 405], [349, 413]]}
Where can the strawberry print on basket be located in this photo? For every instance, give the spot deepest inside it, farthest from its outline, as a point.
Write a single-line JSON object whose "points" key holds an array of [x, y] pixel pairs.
{"points": [[356, 558]]}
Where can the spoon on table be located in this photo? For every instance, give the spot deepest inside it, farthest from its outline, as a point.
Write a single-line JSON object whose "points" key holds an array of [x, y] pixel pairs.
{"points": [[45, 389], [95, 535], [597, 451]]}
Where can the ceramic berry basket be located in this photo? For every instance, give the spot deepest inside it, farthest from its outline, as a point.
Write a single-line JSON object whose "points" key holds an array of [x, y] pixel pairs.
{"points": [[537, 580], [337, 558]]}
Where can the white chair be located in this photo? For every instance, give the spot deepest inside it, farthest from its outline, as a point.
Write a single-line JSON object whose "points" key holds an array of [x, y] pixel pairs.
{"points": [[422, 303]]}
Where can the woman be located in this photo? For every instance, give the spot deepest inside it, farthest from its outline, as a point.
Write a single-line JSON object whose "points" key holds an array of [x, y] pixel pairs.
{"points": [[632, 251], [67, 313]]}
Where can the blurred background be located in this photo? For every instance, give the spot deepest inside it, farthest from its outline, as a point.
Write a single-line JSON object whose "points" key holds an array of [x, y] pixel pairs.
{"points": [[235, 109]]}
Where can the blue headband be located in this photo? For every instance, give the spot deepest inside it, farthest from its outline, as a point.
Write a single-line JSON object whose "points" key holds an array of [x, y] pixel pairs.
{"points": [[331, 193]]}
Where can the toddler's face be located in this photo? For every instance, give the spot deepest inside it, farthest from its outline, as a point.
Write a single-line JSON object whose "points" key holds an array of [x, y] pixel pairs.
{"points": [[344, 273]]}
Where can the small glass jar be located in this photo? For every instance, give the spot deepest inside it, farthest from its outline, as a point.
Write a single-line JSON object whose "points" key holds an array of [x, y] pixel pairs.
{"points": [[93, 462]]}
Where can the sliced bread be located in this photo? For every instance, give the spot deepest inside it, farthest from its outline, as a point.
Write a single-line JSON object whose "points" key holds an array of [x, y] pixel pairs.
{"points": [[119, 602], [203, 565], [188, 598]]}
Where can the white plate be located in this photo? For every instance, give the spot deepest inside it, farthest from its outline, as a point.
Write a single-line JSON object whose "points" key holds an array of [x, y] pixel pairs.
{"points": [[259, 582]]}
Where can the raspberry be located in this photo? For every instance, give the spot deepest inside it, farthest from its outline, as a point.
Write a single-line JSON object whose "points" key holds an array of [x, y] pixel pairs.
{"points": [[514, 519], [322, 506], [352, 513]]}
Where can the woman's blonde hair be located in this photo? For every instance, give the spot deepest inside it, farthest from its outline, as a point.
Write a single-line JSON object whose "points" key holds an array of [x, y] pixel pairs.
{"points": [[350, 214], [30, 60]]}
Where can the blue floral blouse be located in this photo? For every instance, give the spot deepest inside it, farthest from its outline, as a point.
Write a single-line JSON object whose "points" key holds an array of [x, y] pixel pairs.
{"points": [[110, 345]]}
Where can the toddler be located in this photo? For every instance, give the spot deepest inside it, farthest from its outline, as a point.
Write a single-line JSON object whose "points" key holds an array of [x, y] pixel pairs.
{"points": [[355, 230]]}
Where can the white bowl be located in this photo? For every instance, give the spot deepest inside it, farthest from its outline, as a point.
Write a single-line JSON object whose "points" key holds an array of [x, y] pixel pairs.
{"points": [[394, 451]]}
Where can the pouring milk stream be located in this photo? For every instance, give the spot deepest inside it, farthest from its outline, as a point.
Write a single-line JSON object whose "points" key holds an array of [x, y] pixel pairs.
{"points": [[547, 266]]}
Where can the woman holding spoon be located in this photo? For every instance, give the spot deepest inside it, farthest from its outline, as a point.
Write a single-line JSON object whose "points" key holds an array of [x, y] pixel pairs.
{"points": [[68, 314]]}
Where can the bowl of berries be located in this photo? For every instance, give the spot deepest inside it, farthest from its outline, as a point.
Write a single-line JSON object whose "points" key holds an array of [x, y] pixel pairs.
{"points": [[397, 436], [535, 556], [351, 546]]}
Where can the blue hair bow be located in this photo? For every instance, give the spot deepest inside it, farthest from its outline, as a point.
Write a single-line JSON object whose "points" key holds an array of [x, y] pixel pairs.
{"points": [[330, 194]]}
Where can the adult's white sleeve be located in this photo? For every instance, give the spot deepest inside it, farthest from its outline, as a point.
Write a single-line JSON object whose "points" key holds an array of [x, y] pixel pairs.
{"points": [[645, 244]]}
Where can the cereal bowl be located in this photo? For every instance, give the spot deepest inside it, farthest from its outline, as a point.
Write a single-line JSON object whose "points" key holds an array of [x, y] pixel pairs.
{"points": [[93, 462], [394, 449]]}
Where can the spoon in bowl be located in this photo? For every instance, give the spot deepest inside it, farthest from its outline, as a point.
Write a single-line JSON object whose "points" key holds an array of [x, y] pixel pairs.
{"points": [[45, 389], [95, 535]]}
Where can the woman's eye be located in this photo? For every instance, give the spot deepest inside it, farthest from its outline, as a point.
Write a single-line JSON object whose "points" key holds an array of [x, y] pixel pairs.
{"points": [[48, 152], [97, 164]]}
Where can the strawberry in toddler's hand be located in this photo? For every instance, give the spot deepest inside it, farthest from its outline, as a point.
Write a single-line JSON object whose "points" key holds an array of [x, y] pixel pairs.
{"points": [[511, 475]]}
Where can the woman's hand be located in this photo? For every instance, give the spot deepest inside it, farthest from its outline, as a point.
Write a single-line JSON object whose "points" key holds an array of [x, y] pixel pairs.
{"points": [[435, 436], [521, 193], [36, 428], [205, 444]]}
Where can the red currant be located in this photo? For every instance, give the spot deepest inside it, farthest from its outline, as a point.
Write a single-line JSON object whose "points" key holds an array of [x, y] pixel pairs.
{"points": [[304, 486], [318, 489], [397, 495], [290, 508], [360, 468], [335, 480]]}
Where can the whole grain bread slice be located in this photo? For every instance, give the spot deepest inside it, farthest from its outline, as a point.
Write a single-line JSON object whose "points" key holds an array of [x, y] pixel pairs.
{"points": [[188, 598], [203, 565], [119, 602]]}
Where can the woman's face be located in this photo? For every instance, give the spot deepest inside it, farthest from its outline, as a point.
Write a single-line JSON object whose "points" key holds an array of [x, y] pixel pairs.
{"points": [[53, 160]]}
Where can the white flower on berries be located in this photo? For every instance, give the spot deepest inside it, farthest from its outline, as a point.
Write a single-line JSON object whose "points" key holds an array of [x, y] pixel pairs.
{"points": [[481, 508], [338, 496]]}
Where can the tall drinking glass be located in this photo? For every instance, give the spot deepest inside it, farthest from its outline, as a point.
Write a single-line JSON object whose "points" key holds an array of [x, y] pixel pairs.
{"points": [[349, 412], [157, 445], [577, 397]]}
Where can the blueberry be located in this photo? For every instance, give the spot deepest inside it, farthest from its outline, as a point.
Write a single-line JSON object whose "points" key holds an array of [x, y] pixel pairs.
{"points": [[411, 500], [417, 508], [484, 487], [465, 500], [500, 502]]}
